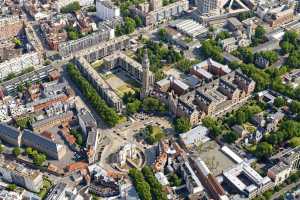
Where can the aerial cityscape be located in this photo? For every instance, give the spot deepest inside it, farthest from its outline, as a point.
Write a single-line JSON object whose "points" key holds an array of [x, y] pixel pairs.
{"points": [[149, 99]]}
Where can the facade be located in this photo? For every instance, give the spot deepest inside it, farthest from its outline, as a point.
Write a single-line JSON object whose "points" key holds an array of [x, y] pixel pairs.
{"points": [[162, 13], [16, 65], [10, 135], [206, 6], [10, 87], [63, 3], [99, 83], [86, 121], [43, 144], [192, 182], [18, 174], [105, 48], [106, 10], [69, 48], [146, 76], [288, 163], [92, 144]]}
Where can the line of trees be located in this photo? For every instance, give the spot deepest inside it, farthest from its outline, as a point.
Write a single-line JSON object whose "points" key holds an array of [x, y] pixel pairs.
{"points": [[155, 187], [146, 184], [141, 186], [108, 114]]}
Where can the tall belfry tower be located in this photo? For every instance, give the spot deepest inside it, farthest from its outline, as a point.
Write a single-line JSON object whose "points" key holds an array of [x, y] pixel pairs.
{"points": [[146, 75]]}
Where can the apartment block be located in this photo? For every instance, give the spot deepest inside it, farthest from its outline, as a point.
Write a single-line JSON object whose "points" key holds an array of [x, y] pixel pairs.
{"points": [[43, 144], [10, 135], [99, 83], [16, 65], [103, 49], [20, 175], [106, 10], [69, 48]]}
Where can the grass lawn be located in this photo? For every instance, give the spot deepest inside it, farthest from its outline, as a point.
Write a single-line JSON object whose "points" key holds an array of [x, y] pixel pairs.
{"points": [[124, 89]]}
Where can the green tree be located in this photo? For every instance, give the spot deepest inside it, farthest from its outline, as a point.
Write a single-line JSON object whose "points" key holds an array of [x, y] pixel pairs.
{"points": [[185, 64], [182, 125], [290, 37], [134, 106], [230, 137], [118, 30], [263, 150], [213, 125], [28, 151], [129, 25], [210, 49], [287, 47], [245, 15], [294, 142], [17, 151], [293, 59], [138, 21], [245, 54], [1, 148], [18, 42], [295, 107], [142, 187], [174, 180], [153, 134], [271, 56], [259, 32], [39, 159], [151, 104], [155, 187], [12, 187], [163, 36], [279, 102], [222, 35], [73, 35]]}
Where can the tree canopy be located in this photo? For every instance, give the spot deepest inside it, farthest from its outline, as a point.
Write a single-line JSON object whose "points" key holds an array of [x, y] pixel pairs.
{"points": [[263, 150], [182, 125], [74, 6]]}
